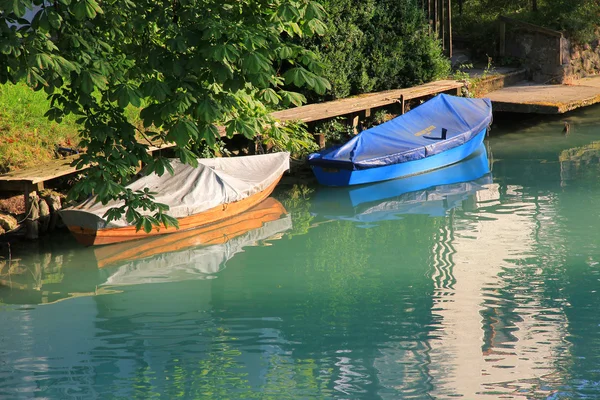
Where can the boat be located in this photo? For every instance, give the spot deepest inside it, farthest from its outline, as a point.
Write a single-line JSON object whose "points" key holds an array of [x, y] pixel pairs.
{"points": [[432, 193], [217, 189], [195, 254], [218, 233], [440, 132]]}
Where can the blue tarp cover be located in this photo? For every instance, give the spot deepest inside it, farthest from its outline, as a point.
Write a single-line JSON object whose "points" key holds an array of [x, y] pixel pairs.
{"points": [[412, 136]]}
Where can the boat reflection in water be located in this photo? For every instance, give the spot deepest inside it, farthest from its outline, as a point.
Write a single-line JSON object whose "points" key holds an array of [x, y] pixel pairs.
{"points": [[69, 270], [432, 194], [194, 254]]}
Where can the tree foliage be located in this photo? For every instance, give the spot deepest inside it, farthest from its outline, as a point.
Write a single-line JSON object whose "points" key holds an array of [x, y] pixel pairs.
{"points": [[377, 45], [190, 65]]}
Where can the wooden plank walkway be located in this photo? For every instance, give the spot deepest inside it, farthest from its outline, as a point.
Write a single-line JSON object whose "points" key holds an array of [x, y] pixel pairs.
{"points": [[531, 98], [32, 179], [321, 111]]}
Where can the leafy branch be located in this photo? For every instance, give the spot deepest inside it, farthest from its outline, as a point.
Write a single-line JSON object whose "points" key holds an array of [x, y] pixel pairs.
{"points": [[187, 65]]}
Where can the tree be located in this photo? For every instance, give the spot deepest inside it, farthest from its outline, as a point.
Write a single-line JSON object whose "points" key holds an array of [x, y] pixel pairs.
{"points": [[375, 45], [188, 65]]}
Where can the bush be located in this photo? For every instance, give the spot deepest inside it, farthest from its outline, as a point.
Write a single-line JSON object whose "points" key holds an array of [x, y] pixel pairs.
{"points": [[376, 45]]}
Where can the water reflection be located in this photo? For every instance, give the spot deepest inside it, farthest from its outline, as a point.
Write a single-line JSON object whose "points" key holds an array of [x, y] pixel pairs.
{"points": [[578, 161], [67, 271], [467, 287], [196, 254]]}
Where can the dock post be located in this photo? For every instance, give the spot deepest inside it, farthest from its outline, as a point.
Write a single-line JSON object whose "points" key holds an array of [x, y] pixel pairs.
{"points": [[401, 101], [355, 122], [320, 140], [33, 214]]}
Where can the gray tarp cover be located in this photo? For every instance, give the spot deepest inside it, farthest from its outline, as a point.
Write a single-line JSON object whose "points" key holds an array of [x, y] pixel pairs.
{"points": [[192, 190]]}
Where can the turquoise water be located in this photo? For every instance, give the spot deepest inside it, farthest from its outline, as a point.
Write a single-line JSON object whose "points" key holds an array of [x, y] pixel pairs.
{"points": [[488, 288]]}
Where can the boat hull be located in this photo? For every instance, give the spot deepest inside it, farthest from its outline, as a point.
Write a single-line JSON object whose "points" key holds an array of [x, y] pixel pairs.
{"points": [[89, 237], [342, 177], [217, 233]]}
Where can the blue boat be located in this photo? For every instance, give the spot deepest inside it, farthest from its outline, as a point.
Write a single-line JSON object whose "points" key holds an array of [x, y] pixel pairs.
{"points": [[432, 193], [440, 132]]}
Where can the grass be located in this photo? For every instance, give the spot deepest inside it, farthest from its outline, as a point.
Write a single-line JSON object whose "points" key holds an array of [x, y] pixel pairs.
{"points": [[26, 136]]}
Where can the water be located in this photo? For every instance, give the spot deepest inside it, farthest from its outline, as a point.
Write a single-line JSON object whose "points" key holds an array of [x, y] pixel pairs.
{"points": [[488, 288]]}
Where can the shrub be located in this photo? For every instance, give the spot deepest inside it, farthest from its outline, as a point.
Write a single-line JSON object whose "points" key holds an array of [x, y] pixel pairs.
{"points": [[376, 45]]}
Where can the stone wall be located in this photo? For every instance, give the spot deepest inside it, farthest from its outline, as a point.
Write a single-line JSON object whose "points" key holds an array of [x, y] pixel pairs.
{"points": [[584, 60], [552, 59], [544, 56]]}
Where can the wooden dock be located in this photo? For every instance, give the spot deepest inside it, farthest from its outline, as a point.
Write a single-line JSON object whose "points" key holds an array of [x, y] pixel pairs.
{"points": [[32, 179], [531, 98], [366, 102]]}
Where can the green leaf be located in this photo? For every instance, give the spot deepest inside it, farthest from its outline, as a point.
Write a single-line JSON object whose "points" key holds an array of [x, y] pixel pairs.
{"points": [[99, 80], [160, 164], [299, 77], [317, 27], [288, 12], [256, 62], [65, 65], [92, 8], [241, 126], [187, 157], [292, 98], [44, 61], [132, 215], [321, 85], [210, 133], [270, 96], [55, 19], [86, 8], [286, 52], [79, 9], [113, 214], [314, 10], [292, 28], [168, 221], [182, 132], [19, 8], [156, 89], [223, 52], [207, 110], [147, 225], [126, 94]]}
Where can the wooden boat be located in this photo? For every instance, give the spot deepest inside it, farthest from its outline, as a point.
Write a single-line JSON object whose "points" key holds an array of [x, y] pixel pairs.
{"points": [[442, 131], [219, 188]]}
